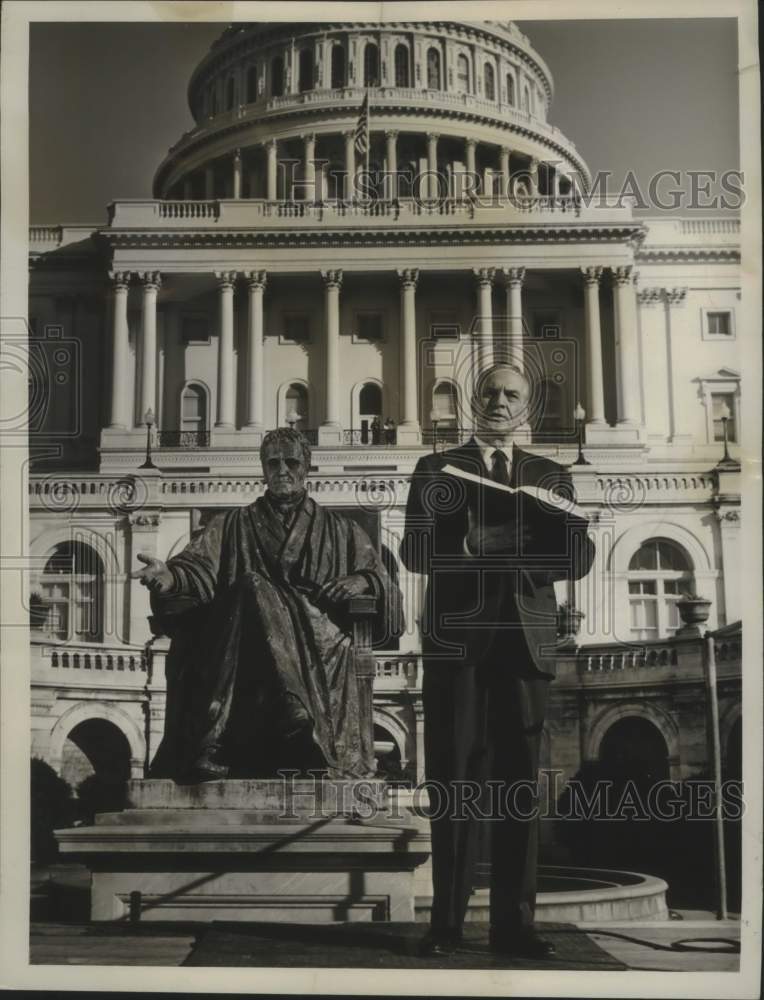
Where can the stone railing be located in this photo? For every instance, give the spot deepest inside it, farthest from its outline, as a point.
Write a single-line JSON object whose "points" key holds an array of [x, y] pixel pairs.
{"points": [[183, 439], [257, 213], [397, 671], [73, 656], [614, 658]]}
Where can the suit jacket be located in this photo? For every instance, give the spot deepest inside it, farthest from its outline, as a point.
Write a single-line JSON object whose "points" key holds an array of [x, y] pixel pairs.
{"points": [[491, 608]]}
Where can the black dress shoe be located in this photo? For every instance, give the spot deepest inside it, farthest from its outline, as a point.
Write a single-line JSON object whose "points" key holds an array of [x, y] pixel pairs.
{"points": [[523, 943], [439, 944]]}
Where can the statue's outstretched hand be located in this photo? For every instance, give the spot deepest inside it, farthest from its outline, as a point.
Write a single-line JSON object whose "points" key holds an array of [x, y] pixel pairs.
{"points": [[342, 588], [155, 575]]}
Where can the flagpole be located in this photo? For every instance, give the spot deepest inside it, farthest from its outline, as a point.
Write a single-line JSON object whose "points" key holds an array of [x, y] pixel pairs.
{"points": [[368, 136]]}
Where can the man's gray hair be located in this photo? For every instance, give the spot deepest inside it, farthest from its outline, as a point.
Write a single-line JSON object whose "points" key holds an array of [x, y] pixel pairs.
{"points": [[285, 435]]}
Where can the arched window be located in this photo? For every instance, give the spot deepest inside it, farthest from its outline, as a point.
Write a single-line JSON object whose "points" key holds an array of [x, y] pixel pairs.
{"points": [[462, 74], [433, 69], [277, 76], [510, 89], [445, 409], [527, 100], [371, 65], [401, 66], [339, 78], [305, 71], [659, 573], [69, 603], [230, 93], [489, 82], [296, 406], [251, 84], [193, 414], [370, 413]]}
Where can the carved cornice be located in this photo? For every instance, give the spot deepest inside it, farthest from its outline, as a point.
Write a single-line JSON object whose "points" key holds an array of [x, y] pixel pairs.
{"points": [[687, 255], [462, 235]]}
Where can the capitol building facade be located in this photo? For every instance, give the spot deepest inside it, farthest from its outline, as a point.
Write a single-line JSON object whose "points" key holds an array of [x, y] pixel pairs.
{"points": [[285, 273]]}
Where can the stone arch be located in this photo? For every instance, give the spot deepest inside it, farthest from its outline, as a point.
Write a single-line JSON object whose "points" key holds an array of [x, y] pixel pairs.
{"points": [[281, 402], [89, 710], [627, 544], [355, 399], [662, 720], [207, 396], [388, 721]]}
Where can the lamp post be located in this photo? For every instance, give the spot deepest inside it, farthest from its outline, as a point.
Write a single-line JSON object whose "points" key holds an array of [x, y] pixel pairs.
{"points": [[725, 416], [148, 419], [292, 418], [434, 419], [579, 415]]}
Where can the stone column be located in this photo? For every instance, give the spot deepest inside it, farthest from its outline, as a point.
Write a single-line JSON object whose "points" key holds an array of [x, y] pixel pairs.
{"points": [[349, 165], [226, 389], [309, 167], [330, 431], [151, 281], [120, 387], [256, 281], [432, 165], [484, 277], [271, 152], [409, 431], [504, 154], [391, 163], [469, 158], [513, 284], [595, 383], [209, 183], [627, 351], [237, 174]]}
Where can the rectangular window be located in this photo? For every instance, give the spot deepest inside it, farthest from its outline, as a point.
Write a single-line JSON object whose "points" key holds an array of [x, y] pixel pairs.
{"points": [[296, 328], [644, 617], [723, 405], [718, 324], [369, 328]]}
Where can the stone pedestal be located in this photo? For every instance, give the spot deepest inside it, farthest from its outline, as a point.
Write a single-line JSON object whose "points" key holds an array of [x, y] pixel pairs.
{"points": [[300, 851]]}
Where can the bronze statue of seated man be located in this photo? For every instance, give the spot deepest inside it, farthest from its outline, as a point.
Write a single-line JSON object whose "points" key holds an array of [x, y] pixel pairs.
{"points": [[260, 676]]}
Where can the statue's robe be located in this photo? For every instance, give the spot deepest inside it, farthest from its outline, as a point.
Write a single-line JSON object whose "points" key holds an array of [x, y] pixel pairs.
{"points": [[253, 644]]}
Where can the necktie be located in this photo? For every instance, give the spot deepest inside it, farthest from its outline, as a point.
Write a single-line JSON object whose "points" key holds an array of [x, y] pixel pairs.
{"points": [[499, 470]]}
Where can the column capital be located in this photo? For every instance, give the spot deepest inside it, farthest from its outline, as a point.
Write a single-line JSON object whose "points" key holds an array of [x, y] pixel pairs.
{"points": [[470, 143], [484, 275], [650, 296], [119, 279], [505, 151], [237, 154], [408, 277], [513, 276], [332, 279], [150, 279], [533, 163], [624, 275], [348, 134], [675, 296], [433, 136], [256, 279], [308, 136], [270, 143], [591, 275], [391, 133], [226, 279]]}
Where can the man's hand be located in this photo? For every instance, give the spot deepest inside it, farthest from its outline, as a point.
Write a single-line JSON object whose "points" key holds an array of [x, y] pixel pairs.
{"points": [[155, 575], [489, 539], [342, 588]]}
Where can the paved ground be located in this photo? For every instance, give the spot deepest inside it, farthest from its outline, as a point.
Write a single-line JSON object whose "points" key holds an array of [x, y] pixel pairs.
{"points": [[678, 946]]}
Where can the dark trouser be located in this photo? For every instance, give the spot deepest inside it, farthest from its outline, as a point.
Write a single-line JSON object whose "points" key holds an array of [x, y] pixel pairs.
{"points": [[482, 740]]}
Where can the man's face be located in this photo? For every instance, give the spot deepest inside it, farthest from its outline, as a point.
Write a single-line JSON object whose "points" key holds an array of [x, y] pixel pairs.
{"points": [[501, 403], [284, 468]]}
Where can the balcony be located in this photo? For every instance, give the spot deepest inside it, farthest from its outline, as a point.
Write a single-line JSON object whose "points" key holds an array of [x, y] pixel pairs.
{"points": [[183, 439], [397, 672], [260, 214], [87, 664]]}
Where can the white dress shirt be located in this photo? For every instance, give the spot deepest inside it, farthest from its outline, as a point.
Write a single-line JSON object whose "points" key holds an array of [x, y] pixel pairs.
{"points": [[486, 452]]}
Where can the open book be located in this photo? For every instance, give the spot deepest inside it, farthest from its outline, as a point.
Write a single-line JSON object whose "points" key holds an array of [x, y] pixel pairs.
{"points": [[556, 501]]}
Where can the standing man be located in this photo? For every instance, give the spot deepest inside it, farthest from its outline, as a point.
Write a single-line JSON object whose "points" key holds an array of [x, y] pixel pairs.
{"points": [[488, 634]]}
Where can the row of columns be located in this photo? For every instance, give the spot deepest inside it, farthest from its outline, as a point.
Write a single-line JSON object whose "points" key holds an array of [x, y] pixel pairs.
{"points": [[313, 169], [408, 428]]}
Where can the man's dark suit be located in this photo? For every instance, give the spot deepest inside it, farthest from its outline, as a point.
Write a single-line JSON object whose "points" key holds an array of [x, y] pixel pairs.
{"points": [[489, 631]]}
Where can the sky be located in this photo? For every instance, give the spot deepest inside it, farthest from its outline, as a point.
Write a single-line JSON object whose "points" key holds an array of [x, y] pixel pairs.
{"points": [[107, 100]]}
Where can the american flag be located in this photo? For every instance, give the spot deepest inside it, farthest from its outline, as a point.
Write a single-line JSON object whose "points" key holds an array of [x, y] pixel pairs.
{"points": [[361, 139]]}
